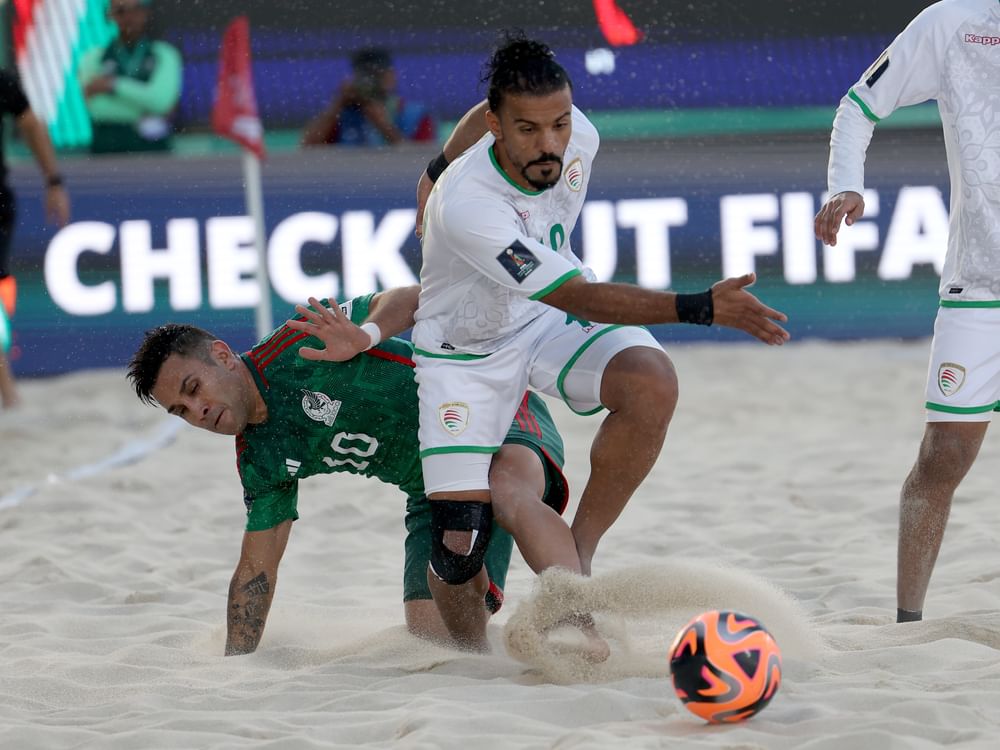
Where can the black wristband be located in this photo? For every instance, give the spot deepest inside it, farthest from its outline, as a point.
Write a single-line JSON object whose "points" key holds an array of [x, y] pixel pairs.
{"points": [[54, 180], [695, 308], [438, 164]]}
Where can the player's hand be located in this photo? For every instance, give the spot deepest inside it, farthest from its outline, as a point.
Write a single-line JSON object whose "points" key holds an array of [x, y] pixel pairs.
{"points": [[735, 307], [57, 205], [99, 85], [847, 206], [424, 187], [342, 338]]}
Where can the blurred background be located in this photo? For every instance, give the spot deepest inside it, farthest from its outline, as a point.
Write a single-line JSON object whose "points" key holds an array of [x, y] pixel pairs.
{"points": [[715, 120]]}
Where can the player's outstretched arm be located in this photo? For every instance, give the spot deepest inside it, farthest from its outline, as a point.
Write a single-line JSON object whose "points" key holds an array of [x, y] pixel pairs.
{"points": [[846, 207], [252, 587], [343, 339], [727, 303], [393, 310]]}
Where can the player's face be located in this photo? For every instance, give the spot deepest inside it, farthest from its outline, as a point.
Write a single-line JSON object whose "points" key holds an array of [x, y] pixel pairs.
{"points": [[214, 395], [532, 133]]}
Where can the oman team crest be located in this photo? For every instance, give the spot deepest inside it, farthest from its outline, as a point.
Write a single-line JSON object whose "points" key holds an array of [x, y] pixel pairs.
{"points": [[950, 378], [454, 417], [574, 175], [320, 407]]}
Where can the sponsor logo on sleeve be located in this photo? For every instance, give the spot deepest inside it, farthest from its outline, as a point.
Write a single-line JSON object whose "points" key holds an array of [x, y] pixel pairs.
{"points": [[877, 69], [454, 417], [518, 261], [320, 407], [950, 378]]}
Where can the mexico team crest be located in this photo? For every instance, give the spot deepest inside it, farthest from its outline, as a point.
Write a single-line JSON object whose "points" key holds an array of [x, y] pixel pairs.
{"points": [[574, 175], [454, 417], [320, 407], [950, 378]]}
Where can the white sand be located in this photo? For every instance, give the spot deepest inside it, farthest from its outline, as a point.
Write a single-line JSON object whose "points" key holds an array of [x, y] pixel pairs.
{"points": [[781, 470]]}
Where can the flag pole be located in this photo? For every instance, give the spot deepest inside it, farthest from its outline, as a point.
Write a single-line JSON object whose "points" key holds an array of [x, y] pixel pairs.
{"points": [[234, 116], [255, 207]]}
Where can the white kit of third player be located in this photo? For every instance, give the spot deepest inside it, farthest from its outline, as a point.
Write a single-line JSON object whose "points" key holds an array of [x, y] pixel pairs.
{"points": [[951, 53]]}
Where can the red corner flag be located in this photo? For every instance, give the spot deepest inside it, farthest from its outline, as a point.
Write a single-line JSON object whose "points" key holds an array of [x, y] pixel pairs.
{"points": [[234, 115]]}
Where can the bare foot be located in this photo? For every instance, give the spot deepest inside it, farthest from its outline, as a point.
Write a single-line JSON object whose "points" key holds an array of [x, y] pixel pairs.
{"points": [[591, 647]]}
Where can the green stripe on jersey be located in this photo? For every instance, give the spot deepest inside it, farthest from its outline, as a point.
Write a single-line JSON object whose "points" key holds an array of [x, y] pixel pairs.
{"points": [[506, 176], [556, 284], [436, 355], [970, 303], [864, 107]]}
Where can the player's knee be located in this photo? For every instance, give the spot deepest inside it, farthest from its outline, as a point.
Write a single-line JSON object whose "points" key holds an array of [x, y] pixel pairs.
{"points": [[641, 378], [458, 566], [947, 451]]}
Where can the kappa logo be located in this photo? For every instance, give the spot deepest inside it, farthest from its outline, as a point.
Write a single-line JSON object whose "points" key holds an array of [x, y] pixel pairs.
{"points": [[951, 378], [574, 175], [989, 41], [320, 407], [454, 417]]}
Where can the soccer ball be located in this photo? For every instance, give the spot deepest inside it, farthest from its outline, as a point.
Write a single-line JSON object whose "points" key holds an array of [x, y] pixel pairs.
{"points": [[725, 666]]}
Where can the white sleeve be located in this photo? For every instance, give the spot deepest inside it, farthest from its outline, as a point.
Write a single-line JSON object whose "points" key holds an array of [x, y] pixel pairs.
{"points": [[852, 132], [908, 72], [486, 234]]}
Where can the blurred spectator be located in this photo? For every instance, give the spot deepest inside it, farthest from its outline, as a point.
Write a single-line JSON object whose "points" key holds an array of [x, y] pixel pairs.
{"points": [[367, 111], [132, 85], [36, 136]]}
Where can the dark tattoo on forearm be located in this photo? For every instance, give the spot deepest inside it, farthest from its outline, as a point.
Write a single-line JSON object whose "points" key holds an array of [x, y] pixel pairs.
{"points": [[248, 606]]}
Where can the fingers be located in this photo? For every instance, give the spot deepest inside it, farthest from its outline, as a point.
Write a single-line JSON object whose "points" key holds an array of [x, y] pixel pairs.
{"points": [[307, 352]]}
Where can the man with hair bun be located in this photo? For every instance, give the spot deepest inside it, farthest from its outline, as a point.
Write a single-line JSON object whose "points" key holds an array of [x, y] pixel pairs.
{"points": [[506, 306]]}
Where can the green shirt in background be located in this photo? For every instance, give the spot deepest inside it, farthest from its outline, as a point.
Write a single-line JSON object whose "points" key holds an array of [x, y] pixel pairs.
{"points": [[133, 117]]}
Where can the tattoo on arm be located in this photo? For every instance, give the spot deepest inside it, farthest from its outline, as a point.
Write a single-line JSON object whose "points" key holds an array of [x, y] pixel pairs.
{"points": [[248, 607]]}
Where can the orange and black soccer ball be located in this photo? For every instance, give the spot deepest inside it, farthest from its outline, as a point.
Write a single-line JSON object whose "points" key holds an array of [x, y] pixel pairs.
{"points": [[725, 666]]}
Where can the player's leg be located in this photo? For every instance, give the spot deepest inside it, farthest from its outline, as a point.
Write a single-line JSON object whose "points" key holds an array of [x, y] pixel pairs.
{"points": [[8, 390], [466, 405], [8, 297], [529, 490], [947, 452], [626, 371], [427, 617], [962, 393]]}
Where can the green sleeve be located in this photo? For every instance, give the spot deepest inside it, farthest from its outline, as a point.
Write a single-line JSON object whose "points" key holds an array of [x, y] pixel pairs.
{"points": [[268, 505], [89, 66], [358, 308], [160, 93]]}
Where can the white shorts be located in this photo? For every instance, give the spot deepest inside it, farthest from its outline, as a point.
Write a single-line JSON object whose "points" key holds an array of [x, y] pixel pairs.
{"points": [[963, 379], [467, 402]]}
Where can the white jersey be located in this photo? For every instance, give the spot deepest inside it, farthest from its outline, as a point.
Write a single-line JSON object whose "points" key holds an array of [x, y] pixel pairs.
{"points": [[951, 53], [492, 248]]}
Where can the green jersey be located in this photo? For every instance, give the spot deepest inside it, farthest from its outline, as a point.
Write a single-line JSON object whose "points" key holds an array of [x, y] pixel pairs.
{"points": [[358, 416]]}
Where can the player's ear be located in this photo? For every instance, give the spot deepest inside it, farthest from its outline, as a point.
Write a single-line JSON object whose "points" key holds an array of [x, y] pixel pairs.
{"points": [[222, 354], [493, 123]]}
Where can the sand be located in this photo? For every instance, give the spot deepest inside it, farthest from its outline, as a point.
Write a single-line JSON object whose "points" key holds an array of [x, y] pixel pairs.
{"points": [[776, 494]]}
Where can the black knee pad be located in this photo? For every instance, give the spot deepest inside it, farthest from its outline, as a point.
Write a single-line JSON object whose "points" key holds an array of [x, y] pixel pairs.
{"points": [[451, 515]]}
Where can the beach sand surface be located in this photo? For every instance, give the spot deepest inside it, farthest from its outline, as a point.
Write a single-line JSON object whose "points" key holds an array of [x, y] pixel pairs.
{"points": [[776, 494]]}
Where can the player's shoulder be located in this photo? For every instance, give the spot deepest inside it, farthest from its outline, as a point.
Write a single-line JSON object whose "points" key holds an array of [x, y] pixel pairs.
{"points": [[166, 49], [946, 15], [585, 133]]}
